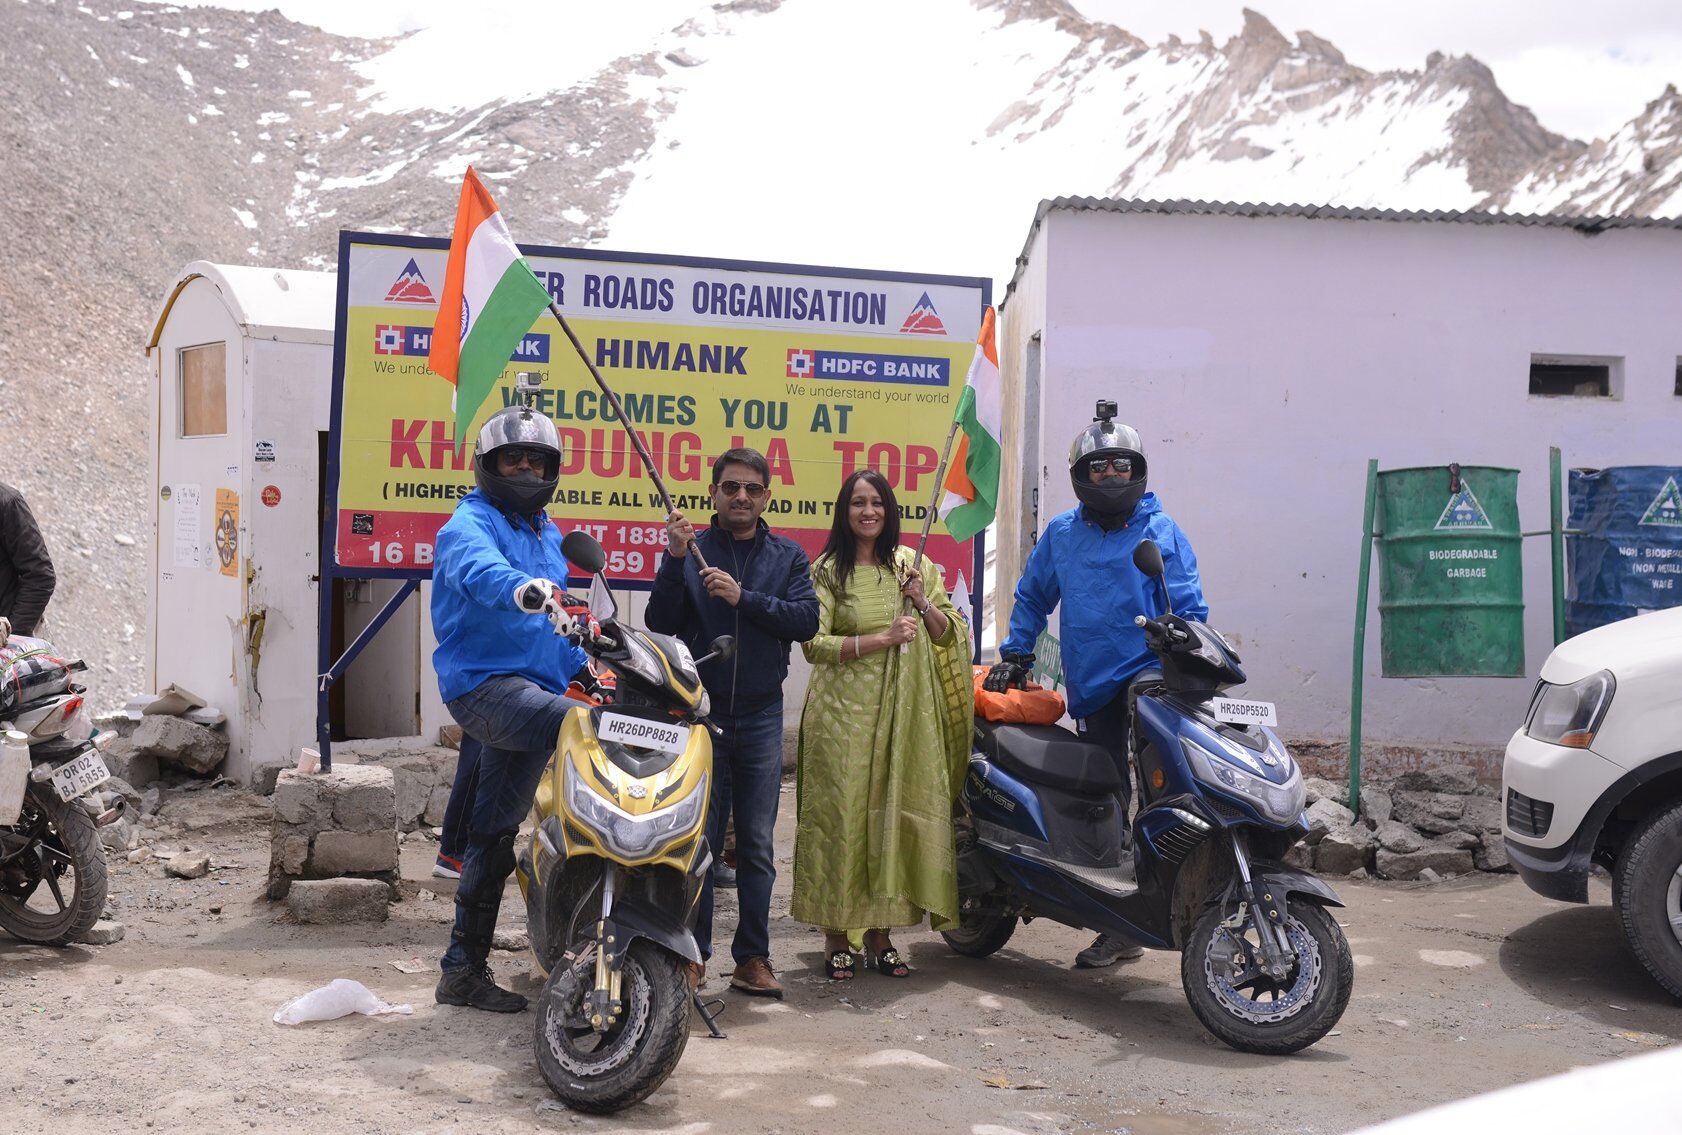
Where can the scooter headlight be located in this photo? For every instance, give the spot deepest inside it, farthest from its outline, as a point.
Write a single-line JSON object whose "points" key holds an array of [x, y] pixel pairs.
{"points": [[634, 837], [1281, 803]]}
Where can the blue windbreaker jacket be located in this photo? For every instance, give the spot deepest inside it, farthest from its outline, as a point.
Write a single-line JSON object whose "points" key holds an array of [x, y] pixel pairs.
{"points": [[1090, 571], [482, 556]]}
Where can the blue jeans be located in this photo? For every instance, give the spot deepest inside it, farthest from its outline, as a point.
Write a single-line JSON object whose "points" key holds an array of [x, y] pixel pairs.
{"points": [[747, 777], [517, 723], [452, 843]]}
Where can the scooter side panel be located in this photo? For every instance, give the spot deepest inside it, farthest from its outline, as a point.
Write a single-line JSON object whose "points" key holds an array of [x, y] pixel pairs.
{"points": [[995, 797]]}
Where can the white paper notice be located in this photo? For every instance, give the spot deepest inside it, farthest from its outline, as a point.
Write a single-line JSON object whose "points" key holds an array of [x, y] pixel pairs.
{"points": [[187, 517]]}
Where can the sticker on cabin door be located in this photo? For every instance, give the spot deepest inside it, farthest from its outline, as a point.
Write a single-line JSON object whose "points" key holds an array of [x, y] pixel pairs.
{"points": [[186, 531], [227, 531]]}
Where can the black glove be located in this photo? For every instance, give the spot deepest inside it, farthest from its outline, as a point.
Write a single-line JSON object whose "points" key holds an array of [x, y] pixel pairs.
{"points": [[1009, 672]]}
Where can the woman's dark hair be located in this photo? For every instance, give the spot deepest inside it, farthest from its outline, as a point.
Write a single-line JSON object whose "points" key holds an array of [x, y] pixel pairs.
{"points": [[842, 547]]}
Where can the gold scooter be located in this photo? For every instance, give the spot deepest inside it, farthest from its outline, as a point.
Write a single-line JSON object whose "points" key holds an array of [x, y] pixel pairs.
{"points": [[614, 869]]}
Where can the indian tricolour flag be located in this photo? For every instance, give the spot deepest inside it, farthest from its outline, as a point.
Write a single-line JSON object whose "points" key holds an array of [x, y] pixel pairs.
{"points": [[491, 299], [972, 478]]}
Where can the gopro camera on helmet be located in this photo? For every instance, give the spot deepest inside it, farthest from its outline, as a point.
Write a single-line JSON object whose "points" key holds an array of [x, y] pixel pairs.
{"points": [[1106, 410], [528, 383]]}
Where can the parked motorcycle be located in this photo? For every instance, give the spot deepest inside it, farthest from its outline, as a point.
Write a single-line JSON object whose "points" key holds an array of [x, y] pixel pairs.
{"points": [[52, 868], [1042, 834], [614, 870]]}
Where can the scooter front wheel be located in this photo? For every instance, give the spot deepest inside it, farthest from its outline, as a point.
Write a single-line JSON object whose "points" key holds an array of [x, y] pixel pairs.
{"points": [[978, 935], [603, 1071], [1221, 972]]}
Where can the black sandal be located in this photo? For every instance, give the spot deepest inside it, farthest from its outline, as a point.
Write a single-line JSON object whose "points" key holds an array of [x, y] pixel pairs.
{"points": [[890, 964], [840, 966]]}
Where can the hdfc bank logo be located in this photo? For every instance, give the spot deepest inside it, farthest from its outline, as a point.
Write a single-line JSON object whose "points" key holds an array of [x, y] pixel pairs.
{"points": [[388, 339], [800, 363]]}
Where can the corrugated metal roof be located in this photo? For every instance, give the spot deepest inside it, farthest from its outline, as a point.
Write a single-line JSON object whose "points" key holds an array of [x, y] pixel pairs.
{"points": [[1581, 223]]}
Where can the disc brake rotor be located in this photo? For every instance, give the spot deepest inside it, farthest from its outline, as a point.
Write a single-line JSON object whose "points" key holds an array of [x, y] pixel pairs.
{"points": [[585, 1051], [1232, 969]]}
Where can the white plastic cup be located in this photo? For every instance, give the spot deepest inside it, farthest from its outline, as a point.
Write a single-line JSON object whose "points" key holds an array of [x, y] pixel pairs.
{"points": [[309, 761]]}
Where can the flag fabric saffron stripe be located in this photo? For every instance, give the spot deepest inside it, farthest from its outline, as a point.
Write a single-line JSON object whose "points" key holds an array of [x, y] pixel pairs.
{"points": [[491, 299], [972, 476]]}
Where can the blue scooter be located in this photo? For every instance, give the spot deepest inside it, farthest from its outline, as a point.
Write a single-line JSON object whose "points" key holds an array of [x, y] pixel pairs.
{"points": [[1042, 834]]}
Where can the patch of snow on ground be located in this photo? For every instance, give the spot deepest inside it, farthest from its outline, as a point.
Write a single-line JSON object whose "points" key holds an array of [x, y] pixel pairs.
{"points": [[246, 218], [186, 75], [376, 177]]}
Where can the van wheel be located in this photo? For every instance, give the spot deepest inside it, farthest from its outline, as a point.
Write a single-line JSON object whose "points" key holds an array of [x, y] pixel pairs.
{"points": [[1647, 896]]}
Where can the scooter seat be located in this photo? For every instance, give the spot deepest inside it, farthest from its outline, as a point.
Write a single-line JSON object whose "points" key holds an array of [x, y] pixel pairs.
{"points": [[1048, 755]]}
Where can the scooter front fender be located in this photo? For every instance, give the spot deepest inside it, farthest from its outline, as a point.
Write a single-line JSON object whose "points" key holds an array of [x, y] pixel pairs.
{"points": [[1292, 881], [635, 917]]}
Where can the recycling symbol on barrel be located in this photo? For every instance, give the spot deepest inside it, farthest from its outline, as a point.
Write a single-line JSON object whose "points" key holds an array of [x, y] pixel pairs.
{"points": [[227, 537]]}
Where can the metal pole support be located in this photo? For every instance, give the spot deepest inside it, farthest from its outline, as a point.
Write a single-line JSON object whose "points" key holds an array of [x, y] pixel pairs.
{"points": [[1358, 672], [1556, 540], [324, 682]]}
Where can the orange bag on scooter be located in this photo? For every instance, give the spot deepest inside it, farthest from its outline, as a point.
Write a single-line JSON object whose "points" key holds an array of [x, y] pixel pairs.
{"points": [[1032, 706]]}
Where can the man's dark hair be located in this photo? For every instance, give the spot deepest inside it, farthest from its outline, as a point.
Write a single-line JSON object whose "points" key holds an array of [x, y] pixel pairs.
{"points": [[841, 549], [752, 458]]}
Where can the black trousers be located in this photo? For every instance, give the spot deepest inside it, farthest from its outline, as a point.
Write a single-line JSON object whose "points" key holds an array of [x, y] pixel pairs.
{"points": [[1106, 727]]}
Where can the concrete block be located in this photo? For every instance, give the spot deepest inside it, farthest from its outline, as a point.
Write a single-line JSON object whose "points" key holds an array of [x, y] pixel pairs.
{"points": [[364, 798], [291, 853], [128, 762], [350, 853], [301, 799], [1444, 860], [105, 933], [180, 743], [264, 777], [332, 901]]}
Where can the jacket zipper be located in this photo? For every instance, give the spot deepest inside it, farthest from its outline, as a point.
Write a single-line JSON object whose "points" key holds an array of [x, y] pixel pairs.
{"points": [[736, 655]]}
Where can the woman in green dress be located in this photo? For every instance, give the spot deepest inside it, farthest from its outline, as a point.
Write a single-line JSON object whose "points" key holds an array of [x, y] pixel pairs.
{"points": [[884, 738]]}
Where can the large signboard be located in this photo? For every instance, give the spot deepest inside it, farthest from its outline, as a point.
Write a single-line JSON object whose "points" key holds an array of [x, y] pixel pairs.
{"points": [[823, 370]]}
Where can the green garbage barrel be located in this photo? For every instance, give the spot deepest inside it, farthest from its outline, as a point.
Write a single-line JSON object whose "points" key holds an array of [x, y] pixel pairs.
{"points": [[1451, 587]]}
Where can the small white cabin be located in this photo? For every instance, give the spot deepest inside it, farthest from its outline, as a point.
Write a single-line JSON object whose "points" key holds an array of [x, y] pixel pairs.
{"points": [[241, 384]]}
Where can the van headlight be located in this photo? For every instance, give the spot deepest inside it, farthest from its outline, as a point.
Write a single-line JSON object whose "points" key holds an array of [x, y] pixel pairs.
{"points": [[634, 837], [1570, 715], [1281, 803]]}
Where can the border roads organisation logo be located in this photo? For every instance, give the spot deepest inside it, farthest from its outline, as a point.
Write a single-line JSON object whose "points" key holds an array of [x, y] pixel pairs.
{"points": [[410, 286], [1463, 512], [923, 320], [1666, 509]]}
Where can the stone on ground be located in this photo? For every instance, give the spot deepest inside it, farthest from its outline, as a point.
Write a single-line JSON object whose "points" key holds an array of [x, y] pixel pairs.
{"points": [[189, 865], [180, 743], [104, 933], [333, 901]]}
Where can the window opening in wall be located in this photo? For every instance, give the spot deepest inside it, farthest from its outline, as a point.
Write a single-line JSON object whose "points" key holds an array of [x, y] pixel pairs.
{"points": [[1565, 376], [204, 390]]}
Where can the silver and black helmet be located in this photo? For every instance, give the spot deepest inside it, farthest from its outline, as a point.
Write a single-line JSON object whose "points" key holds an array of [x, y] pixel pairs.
{"points": [[525, 493], [1108, 439]]}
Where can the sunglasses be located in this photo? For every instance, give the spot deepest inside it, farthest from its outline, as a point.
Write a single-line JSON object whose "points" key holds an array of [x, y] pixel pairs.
{"points": [[531, 455], [1103, 464], [754, 489]]}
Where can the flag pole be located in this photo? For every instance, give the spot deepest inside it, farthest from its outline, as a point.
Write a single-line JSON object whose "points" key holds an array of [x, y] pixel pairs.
{"points": [[928, 518], [642, 450]]}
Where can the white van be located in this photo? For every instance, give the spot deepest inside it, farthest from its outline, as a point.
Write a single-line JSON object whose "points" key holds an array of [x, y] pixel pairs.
{"points": [[1595, 776]]}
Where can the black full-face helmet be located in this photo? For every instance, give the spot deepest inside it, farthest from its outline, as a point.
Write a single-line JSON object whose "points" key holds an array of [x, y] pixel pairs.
{"points": [[526, 493], [1111, 497]]}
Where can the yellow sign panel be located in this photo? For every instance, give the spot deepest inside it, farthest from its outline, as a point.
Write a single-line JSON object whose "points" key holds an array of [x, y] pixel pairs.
{"points": [[822, 371]]}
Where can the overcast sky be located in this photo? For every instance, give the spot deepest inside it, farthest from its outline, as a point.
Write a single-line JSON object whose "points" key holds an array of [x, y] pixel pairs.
{"points": [[1584, 69]]}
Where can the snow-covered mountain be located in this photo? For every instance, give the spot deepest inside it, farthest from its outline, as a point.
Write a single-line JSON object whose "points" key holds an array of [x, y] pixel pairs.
{"points": [[875, 133]]}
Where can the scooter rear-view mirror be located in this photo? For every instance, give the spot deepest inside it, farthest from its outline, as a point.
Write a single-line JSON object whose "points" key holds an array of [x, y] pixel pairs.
{"points": [[583, 550], [720, 648], [1147, 557]]}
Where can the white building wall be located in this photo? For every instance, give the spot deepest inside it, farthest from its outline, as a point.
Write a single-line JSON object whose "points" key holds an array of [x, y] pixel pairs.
{"points": [[1264, 360]]}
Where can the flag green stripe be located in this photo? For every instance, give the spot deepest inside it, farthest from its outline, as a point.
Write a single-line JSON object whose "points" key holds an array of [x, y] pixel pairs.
{"points": [[982, 466], [503, 320]]}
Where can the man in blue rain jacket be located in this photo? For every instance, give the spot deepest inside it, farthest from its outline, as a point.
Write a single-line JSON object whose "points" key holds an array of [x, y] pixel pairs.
{"points": [[1084, 561], [501, 671]]}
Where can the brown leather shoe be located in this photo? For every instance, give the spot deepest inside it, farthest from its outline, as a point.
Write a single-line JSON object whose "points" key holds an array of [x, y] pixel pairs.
{"points": [[696, 973], [756, 977]]}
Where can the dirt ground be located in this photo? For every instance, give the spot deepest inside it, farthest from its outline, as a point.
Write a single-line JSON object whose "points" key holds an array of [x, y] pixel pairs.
{"points": [[1460, 987]]}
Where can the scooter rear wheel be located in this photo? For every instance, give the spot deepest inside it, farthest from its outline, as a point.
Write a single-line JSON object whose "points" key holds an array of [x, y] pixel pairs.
{"points": [[604, 1072], [1254, 1013]]}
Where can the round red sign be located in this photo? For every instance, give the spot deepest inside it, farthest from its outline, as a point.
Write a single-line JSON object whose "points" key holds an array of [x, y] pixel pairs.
{"points": [[271, 495]]}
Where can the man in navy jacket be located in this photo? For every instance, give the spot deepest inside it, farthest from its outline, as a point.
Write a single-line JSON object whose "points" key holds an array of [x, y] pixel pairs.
{"points": [[757, 588]]}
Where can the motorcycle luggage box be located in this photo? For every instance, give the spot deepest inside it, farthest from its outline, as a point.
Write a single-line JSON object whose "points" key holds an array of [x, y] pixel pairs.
{"points": [[1049, 755]]}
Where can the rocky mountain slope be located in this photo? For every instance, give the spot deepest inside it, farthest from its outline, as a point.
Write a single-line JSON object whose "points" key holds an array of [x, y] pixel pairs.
{"points": [[143, 137]]}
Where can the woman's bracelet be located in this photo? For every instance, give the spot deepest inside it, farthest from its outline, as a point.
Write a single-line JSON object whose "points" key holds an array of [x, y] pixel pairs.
{"points": [[856, 653], [924, 609]]}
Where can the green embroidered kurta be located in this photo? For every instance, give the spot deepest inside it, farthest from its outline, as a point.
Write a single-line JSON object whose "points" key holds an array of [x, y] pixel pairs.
{"points": [[884, 743]]}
